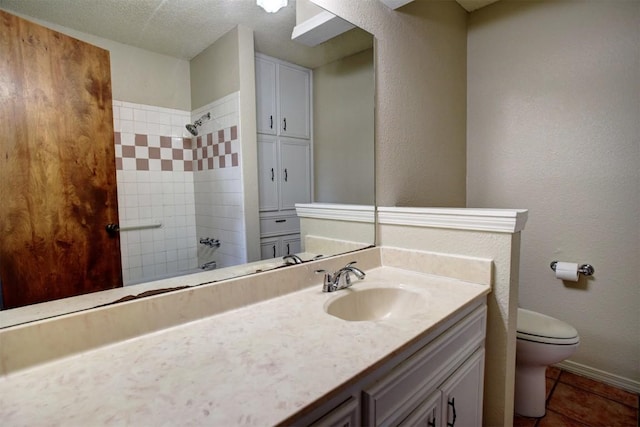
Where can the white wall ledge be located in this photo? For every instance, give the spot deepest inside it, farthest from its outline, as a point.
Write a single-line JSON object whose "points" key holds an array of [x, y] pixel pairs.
{"points": [[320, 28], [338, 212], [494, 220]]}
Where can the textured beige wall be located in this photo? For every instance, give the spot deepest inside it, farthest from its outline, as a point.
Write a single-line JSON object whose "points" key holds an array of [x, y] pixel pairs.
{"points": [[343, 109], [554, 127], [138, 75], [215, 72], [420, 99]]}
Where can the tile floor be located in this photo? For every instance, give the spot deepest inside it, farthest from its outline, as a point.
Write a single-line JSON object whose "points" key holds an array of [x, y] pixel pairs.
{"points": [[576, 401]]}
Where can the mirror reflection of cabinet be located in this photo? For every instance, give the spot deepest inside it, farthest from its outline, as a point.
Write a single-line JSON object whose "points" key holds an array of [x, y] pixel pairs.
{"points": [[283, 99], [274, 247], [285, 173]]}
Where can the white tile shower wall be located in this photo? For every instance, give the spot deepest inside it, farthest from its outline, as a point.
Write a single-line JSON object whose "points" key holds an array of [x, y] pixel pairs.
{"points": [[219, 202], [155, 186]]}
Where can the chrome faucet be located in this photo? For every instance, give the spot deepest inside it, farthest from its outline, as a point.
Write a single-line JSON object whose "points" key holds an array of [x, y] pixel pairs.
{"points": [[292, 259], [341, 279]]}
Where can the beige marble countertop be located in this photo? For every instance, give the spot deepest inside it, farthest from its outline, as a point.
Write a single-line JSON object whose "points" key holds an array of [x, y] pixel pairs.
{"points": [[256, 365]]}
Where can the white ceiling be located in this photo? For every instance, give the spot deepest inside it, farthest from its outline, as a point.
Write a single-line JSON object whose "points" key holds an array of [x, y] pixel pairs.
{"points": [[184, 28]]}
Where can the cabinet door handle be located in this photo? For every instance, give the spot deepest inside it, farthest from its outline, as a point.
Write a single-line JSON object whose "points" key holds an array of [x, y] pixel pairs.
{"points": [[270, 122], [285, 124], [272, 175], [286, 175], [280, 220], [274, 251], [452, 403], [288, 250], [432, 422]]}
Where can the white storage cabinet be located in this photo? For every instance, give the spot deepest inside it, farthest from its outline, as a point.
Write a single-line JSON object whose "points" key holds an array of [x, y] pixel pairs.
{"points": [[283, 100]]}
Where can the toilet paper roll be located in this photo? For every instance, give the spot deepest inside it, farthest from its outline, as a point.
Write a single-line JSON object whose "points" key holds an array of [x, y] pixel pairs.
{"points": [[567, 271]]}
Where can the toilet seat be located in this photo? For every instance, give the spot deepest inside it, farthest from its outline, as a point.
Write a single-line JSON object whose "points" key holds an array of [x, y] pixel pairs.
{"points": [[537, 327]]}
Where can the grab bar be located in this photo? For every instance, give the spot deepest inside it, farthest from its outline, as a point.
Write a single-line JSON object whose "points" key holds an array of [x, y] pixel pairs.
{"points": [[141, 225]]}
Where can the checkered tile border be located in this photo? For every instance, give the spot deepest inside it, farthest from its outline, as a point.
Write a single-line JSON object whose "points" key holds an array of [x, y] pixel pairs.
{"points": [[216, 150], [212, 151]]}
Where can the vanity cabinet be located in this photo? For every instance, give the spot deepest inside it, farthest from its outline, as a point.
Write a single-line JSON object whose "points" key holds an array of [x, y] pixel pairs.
{"points": [[283, 98], [438, 384], [345, 415]]}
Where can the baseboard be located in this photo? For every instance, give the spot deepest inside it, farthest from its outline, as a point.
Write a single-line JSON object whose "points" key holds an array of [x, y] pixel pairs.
{"points": [[597, 374]]}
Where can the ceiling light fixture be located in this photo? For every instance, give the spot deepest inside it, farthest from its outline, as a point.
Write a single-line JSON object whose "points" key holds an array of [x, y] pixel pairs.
{"points": [[271, 6]]}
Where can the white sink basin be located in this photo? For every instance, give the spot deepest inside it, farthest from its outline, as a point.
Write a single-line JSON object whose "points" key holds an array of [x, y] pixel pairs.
{"points": [[376, 303]]}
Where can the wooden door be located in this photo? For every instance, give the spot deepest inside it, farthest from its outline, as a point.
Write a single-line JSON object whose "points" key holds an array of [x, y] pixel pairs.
{"points": [[57, 166]]}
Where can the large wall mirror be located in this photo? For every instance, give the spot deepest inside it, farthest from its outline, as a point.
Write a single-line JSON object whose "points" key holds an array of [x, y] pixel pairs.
{"points": [[191, 201]]}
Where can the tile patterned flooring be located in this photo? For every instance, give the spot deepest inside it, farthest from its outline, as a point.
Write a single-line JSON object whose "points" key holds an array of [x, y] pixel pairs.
{"points": [[576, 401]]}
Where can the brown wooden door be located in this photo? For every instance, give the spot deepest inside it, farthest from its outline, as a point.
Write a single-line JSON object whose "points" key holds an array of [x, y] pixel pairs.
{"points": [[57, 166]]}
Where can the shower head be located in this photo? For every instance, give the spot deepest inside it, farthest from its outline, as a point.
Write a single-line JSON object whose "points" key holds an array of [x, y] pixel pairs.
{"points": [[193, 128]]}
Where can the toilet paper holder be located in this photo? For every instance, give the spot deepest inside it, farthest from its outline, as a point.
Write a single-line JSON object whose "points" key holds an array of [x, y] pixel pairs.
{"points": [[584, 269]]}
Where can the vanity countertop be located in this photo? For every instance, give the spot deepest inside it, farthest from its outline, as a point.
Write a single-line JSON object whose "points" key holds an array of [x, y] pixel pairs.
{"points": [[255, 365]]}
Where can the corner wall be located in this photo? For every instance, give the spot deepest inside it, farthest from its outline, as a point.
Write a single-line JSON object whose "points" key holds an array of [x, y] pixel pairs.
{"points": [[420, 129], [554, 127], [343, 132]]}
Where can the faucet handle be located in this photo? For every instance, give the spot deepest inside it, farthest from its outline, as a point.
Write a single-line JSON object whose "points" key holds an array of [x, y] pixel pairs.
{"points": [[328, 280]]}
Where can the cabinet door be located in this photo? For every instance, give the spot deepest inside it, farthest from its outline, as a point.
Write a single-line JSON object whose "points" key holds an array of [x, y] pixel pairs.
{"points": [[294, 90], [295, 175], [270, 248], [462, 393], [267, 122], [427, 414], [268, 173], [291, 244]]}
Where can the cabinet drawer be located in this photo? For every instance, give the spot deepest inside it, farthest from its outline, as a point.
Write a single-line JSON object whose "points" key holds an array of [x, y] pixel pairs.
{"points": [[394, 397], [279, 225]]}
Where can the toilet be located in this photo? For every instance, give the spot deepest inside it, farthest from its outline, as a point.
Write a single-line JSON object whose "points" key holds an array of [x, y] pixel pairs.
{"points": [[542, 341]]}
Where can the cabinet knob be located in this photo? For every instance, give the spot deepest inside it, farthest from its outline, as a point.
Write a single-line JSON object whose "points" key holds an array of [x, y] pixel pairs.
{"points": [[112, 229]]}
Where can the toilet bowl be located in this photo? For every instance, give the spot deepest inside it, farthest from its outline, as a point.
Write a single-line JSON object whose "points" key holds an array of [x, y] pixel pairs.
{"points": [[542, 341]]}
